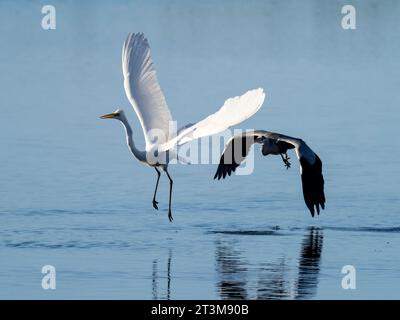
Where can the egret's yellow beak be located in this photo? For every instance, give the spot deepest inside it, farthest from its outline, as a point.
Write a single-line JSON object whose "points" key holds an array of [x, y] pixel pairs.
{"points": [[108, 116]]}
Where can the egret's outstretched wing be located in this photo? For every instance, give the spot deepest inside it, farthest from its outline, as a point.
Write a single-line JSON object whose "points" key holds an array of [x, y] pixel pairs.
{"points": [[235, 110], [142, 88], [312, 179]]}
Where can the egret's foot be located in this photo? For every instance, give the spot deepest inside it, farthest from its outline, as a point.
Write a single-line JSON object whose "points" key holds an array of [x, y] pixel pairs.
{"points": [[170, 216], [155, 204]]}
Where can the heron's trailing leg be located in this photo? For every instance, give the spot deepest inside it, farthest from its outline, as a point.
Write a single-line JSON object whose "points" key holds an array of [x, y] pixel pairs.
{"points": [[170, 194], [286, 160], [155, 191]]}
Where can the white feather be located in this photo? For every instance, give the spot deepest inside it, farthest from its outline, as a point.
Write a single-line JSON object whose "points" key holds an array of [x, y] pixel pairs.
{"points": [[142, 87], [235, 110]]}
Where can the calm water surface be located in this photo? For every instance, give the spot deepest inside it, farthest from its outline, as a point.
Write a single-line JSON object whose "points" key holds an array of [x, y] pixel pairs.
{"points": [[73, 197]]}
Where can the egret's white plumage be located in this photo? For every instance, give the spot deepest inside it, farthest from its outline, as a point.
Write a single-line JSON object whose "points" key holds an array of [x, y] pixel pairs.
{"points": [[142, 88], [148, 101], [235, 110]]}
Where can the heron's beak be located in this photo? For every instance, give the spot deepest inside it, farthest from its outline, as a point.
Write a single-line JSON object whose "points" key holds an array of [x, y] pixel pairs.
{"points": [[108, 116]]}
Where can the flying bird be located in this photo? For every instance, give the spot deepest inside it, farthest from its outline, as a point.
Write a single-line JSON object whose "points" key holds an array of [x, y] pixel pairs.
{"points": [[237, 148], [148, 101]]}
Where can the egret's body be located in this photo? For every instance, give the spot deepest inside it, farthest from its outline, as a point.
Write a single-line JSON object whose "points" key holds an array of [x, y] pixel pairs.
{"points": [[145, 95]]}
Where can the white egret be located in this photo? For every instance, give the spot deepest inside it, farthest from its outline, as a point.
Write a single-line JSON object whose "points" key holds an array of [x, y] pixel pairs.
{"points": [[312, 179], [145, 95]]}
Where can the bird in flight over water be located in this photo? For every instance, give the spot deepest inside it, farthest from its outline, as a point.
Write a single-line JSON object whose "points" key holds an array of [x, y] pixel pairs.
{"points": [[312, 179], [148, 101]]}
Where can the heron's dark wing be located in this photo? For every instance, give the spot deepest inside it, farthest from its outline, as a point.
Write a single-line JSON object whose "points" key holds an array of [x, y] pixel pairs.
{"points": [[313, 184], [311, 173], [235, 152]]}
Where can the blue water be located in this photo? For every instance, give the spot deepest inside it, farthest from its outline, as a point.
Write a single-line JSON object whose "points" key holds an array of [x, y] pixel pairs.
{"points": [[73, 197]]}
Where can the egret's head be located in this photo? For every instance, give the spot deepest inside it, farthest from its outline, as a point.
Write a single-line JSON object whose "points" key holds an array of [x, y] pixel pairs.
{"points": [[117, 114]]}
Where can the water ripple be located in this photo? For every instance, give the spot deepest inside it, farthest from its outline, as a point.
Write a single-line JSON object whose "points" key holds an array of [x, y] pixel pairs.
{"points": [[67, 245], [366, 229]]}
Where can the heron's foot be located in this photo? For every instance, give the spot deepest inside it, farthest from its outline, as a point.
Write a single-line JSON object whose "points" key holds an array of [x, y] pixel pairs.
{"points": [[286, 160], [287, 163], [155, 204], [170, 216]]}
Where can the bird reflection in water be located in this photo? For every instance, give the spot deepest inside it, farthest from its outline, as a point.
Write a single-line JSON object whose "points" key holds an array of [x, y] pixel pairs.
{"points": [[156, 279], [309, 264], [232, 283], [273, 280]]}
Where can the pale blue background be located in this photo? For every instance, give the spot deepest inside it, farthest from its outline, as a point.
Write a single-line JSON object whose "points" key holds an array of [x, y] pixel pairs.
{"points": [[72, 196]]}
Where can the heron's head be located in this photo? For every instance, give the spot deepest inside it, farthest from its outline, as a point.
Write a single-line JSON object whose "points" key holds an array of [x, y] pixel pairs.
{"points": [[117, 114]]}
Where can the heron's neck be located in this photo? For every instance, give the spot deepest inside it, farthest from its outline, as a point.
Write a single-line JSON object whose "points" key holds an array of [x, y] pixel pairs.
{"points": [[129, 139]]}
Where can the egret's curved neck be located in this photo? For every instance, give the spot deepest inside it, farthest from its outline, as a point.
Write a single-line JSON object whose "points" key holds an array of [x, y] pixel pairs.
{"points": [[140, 155]]}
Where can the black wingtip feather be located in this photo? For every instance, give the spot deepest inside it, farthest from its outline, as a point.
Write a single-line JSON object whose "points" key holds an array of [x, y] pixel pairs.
{"points": [[228, 165], [313, 185], [225, 169]]}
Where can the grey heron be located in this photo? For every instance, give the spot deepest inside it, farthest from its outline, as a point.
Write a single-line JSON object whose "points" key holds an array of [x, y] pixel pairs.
{"points": [[237, 148]]}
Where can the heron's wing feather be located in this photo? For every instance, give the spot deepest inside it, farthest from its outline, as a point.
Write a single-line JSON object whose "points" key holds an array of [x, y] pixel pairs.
{"points": [[236, 150], [142, 87], [313, 184], [235, 110]]}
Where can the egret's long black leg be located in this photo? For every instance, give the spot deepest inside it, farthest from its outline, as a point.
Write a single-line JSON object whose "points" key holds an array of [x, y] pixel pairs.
{"points": [[170, 195], [285, 160], [155, 190]]}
